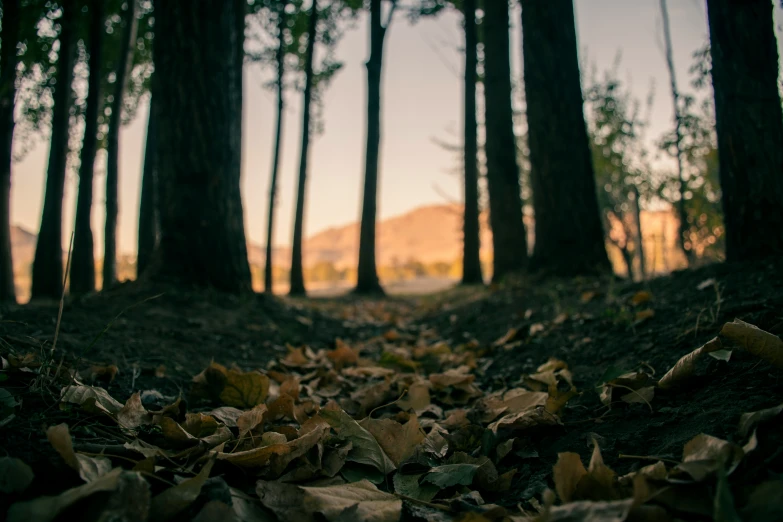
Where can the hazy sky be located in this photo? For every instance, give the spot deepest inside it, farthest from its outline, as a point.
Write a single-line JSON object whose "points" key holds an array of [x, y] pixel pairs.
{"points": [[421, 100]]}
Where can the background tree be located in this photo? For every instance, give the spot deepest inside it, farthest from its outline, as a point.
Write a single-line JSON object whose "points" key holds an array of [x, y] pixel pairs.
{"points": [[569, 237], [367, 273], [48, 261], [121, 73], [83, 262], [148, 208], [676, 149], [509, 240], [749, 125], [9, 38], [297, 275], [471, 242], [198, 71], [280, 55]]}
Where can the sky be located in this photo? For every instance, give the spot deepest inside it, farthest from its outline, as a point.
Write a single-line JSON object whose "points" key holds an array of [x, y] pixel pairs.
{"points": [[421, 101]]}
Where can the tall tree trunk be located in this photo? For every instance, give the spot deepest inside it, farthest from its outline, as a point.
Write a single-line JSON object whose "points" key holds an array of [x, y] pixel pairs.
{"points": [[83, 260], [148, 208], [280, 58], [509, 241], [471, 244], [48, 262], [682, 213], [297, 274], [121, 73], [569, 236], [367, 272], [749, 125], [199, 75], [637, 214], [9, 37]]}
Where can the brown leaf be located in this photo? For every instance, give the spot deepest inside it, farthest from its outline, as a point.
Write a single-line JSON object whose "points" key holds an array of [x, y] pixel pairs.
{"points": [[748, 421], [178, 498], [245, 390], [525, 420], [640, 297], [397, 440], [249, 420], [210, 383], [175, 433], [755, 340], [133, 414], [686, 366], [642, 395], [704, 454], [15, 475], [91, 398], [342, 355], [508, 337], [361, 499], [199, 424], [105, 373], [600, 483], [567, 473], [588, 511], [276, 456], [89, 468], [643, 315], [417, 398]]}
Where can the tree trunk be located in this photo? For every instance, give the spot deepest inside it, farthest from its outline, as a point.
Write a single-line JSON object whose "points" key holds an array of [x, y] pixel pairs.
{"points": [[9, 38], [280, 58], [148, 208], [48, 263], [471, 244], [637, 214], [367, 273], [122, 72], [749, 125], [83, 259], [509, 241], [297, 274], [682, 214], [569, 236], [199, 75]]}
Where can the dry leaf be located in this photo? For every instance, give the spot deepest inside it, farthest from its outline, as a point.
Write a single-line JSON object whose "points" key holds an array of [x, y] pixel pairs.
{"points": [[178, 498], [133, 414], [227, 415], [106, 373], [249, 420], [15, 475], [45, 509], [366, 449], [642, 395], [640, 297], [567, 473], [397, 440], [643, 315], [755, 340], [525, 420], [704, 454], [588, 296], [588, 511], [89, 468], [507, 338], [199, 424], [417, 397], [342, 355], [173, 432], [362, 499], [686, 366], [91, 398], [748, 421], [245, 390]]}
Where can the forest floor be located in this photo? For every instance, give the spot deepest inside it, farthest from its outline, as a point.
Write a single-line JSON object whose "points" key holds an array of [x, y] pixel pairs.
{"points": [[533, 400]]}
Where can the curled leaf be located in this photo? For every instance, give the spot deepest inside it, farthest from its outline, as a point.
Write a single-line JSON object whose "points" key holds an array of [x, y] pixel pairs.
{"points": [[686, 366], [755, 340]]}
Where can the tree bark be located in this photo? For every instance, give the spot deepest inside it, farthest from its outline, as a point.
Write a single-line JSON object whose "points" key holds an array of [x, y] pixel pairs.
{"points": [[367, 272], [199, 76], [83, 259], [9, 37], [280, 57], [297, 274], [122, 72], [749, 125], [471, 244], [569, 236], [148, 208], [509, 241], [48, 263], [682, 213]]}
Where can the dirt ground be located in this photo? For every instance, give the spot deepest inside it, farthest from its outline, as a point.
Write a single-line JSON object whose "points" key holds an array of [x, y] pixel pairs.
{"points": [[598, 328]]}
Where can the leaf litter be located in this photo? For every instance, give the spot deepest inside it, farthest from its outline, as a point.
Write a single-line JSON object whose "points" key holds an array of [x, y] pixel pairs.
{"points": [[395, 426]]}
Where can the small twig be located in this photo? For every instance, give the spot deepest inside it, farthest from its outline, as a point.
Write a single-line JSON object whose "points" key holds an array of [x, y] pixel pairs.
{"points": [[647, 457], [62, 297], [634, 392]]}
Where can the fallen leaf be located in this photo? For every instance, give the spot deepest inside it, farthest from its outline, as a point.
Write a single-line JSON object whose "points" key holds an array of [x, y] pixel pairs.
{"points": [[133, 414], [249, 420], [342, 355], [245, 390], [284, 500], [588, 511], [755, 340], [567, 473], [686, 366], [176, 499], [362, 499], [640, 297], [525, 420], [45, 509], [174, 432], [15, 475], [706, 283], [507, 338], [643, 315], [417, 397], [704, 454], [89, 468], [227, 415], [642, 395], [748, 421], [397, 440], [107, 373], [91, 398], [451, 475], [765, 501], [199, 424], [412, 486], [366, 449], [588, 296]]}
